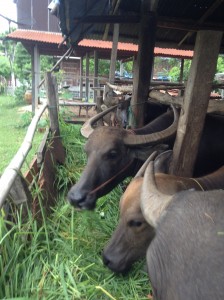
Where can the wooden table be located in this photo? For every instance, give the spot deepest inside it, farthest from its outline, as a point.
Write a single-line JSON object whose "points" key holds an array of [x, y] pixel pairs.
{"points": [[81, 105]]}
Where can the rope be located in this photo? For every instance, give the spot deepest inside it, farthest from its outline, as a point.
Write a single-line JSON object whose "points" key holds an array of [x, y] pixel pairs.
{"points": [[112, 178], [131, 114]]}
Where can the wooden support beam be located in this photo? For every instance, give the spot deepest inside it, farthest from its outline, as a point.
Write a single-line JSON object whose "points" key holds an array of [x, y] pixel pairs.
{"points": [[214, 106], [108, 94], [181, 24], [143, 65], [211, 9], [52, 100], [187, 25], [87, 77], [81, 79], [96, 67], [35, 60], [196, 100], [181, 92], [113, 58], [115, 6], [111, 19]]}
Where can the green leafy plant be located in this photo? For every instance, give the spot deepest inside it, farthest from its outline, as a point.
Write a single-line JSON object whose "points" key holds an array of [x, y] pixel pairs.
{"points": [[19, 94], [43, 123], [25, 120]]}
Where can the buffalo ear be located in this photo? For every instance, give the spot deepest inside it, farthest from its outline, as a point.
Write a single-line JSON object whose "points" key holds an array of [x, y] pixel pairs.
{"points": [[162, 162], [143, 153]]}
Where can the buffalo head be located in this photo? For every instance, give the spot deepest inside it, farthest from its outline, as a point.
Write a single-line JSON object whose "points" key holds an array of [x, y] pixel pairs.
{"points": [[113, 154], [133, 234], [145, 199]]}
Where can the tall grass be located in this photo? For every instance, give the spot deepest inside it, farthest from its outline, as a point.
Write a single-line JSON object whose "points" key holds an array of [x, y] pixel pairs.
{"points": [[61, 259]]}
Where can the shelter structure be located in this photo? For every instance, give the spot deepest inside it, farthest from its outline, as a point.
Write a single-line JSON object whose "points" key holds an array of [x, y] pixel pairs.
{"points": [[46, 43], [189, 24]]}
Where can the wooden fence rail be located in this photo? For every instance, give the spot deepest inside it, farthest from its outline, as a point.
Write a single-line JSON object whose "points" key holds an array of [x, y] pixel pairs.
{"points": [[12, 170], [53, 155]]}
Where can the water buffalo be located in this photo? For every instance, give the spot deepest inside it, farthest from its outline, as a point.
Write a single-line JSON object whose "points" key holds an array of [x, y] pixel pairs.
{"points": [[118, 116], [133, 234], [185, 258], [115, 153]]}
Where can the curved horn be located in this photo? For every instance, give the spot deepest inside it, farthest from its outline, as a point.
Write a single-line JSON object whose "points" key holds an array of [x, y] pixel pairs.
{"points": [[141, 171], [162, 162], [153, 202], [156, 137], [87, 127]]}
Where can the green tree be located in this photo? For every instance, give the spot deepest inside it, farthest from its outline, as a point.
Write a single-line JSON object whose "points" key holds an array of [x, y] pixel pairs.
{"points": [[103, 69], [174, 72], [220, 64], [8, 48], [5, 70], [23, 65]]}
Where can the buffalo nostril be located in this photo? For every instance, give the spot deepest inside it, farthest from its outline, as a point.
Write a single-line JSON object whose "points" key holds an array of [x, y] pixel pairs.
{"points": [[75, 199], [106, 260]]}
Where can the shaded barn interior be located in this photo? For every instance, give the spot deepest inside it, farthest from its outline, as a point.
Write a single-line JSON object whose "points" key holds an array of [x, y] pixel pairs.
{"points": [[180, 24], [150, 23]]}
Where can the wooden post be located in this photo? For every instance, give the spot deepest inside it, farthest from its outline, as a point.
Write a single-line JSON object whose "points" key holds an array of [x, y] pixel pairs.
{"points": [[87, 77], [121, 69], [107, 98], [52, 100], [144, 63], [196, 100], [81, 78], [114, 53], [35, 60], [96, 66], [181, 92]]}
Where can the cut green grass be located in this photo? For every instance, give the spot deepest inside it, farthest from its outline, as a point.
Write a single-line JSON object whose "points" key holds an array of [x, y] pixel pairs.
{"points": [[61, 259]]}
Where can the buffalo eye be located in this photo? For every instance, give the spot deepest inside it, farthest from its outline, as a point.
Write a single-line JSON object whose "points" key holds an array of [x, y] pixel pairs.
{"points": [[112, 154], [134, 223]]}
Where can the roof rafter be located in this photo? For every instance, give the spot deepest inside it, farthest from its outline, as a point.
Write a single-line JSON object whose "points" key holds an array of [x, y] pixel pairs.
{"points": [[211, 9]]}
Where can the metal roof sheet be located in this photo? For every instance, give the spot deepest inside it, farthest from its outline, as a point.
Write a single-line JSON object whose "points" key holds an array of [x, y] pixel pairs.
{"points": [[56, 38]]}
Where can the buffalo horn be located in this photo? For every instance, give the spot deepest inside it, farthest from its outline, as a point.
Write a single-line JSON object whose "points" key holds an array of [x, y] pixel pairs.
{"points": [[156, 137], [153, 202], [87, 127], [141, 171]]}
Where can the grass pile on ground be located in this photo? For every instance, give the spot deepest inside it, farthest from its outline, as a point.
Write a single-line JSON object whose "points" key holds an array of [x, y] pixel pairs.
{"points": [[61, 259]]}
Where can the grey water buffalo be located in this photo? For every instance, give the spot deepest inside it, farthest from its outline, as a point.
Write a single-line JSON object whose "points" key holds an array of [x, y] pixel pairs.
{"points": [[185, 258], [118, 116], [134, 234], [115, 153]]}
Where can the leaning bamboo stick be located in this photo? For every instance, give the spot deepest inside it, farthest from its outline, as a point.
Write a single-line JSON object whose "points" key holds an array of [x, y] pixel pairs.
{"points": [[12, 170]]}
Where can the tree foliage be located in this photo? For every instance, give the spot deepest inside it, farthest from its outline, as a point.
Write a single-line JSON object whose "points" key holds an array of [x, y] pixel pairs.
{"points": [[23, 65], [174, 72], [5, 70], [220, 64]]}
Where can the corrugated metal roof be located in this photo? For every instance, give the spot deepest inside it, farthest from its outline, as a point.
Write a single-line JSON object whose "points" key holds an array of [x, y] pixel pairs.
{"points": [[190, 13], [56, 38], [37, 36]]}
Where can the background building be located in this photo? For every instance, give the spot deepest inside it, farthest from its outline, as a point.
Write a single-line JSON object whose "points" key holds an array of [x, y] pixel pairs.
{"points": [[34, 14]]}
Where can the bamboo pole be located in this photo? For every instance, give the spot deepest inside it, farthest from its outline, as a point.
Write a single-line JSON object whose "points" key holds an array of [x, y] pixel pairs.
{"points": [[12, 170], [67, 53]]}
